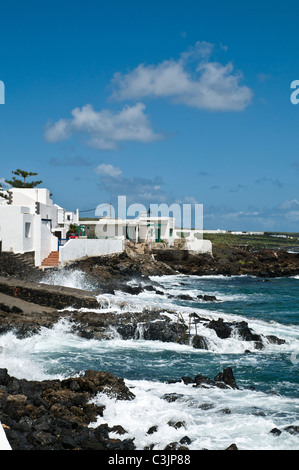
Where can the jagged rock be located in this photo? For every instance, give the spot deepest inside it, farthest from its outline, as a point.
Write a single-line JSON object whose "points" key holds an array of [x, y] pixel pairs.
{"points": [[274, 340], [185, 440], [202, 380], [275, 432], [118, 430], [152, 429], [229, 260], [187, 380], [184, 297], [199, 342], [222, 329], [226, 377], [117, 444], [176, 424], [175, 446], [171, 397], [208, 298], [164, 331], [206, 406], [245, 332], [225, 411], [232, 447], [292, 429], [54, 414], [226, 330]]}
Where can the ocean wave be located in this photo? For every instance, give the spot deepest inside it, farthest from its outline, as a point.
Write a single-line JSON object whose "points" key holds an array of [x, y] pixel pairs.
{"points": [[212, 419]]}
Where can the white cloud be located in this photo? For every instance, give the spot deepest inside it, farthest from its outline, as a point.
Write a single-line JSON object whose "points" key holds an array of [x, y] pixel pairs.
{"points": [[105, 169], [192, 80], [106, 130], [283, 217], [59, 131], [289, 205]]}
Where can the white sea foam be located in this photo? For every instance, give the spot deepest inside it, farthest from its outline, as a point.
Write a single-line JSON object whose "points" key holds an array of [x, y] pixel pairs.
{"points": [[123, 302], [57, 352], [20, 356], [203, 411], [212, 418], [149, 300]]}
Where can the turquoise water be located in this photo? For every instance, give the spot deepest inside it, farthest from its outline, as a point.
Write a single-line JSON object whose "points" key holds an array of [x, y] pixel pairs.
{"points": [[268, 379], [269, 300]]}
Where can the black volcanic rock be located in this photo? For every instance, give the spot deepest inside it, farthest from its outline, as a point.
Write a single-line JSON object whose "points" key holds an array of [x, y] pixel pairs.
{"points": [[224, 379], [54, 414]]}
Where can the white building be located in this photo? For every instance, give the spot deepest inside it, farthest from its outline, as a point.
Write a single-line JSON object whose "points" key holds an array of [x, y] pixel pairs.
{"points": [[148, 229], [143, 229], [64, 220], [30, 222]]}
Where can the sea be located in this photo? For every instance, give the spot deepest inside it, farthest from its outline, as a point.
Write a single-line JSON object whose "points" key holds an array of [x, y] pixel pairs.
{"points": [[267, 397]]}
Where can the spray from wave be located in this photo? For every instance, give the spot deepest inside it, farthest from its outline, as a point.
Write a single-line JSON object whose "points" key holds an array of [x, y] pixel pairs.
{"points": [[69, 278]]}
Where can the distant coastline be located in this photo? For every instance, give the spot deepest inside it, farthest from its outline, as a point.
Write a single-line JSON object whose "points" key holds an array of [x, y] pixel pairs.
{"points": [[266, 240]]}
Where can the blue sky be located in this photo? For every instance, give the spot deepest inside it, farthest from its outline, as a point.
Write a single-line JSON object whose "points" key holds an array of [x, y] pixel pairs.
{"points": [[161, 101]]}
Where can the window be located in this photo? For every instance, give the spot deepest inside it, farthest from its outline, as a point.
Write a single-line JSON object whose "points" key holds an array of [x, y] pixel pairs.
{"points": [[27, 229], [171, 232]]}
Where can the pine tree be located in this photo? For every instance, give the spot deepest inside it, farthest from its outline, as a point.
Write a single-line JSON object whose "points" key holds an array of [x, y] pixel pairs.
{"points": [[18, 183]]}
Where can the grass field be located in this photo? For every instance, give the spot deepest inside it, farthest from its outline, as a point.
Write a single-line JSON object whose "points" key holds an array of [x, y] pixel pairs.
{"points": [[267, 240]]}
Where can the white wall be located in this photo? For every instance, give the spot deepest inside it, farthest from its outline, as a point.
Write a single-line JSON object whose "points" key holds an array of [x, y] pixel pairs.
{"points": [[12, 229], [80, 247], [45, 242], [30, 196], [135, 229], [72, 217], [60, 214], [23, 228], [109, 230], [27, 232], [21, 232], [103, 228], [198, 246], [22, 196], [148, 225]]}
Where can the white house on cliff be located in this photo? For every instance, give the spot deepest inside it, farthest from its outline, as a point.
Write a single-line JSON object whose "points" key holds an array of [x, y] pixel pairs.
{"points": [[31, 222]]}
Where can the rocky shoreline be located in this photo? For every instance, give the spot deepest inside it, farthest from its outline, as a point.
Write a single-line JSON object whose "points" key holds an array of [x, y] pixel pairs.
{"points": [[56, 414], [59, 414], [26, 307], [226, 260]]}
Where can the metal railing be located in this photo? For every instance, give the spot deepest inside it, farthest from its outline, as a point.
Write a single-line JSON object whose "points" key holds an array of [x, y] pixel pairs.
{"points": [[62, 242]]}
